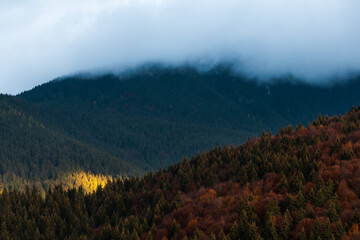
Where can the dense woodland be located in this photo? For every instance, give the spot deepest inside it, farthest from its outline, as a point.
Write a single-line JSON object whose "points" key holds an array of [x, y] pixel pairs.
{"points": [[30, 152], [302, 183], [156, 116], [151, 117]]}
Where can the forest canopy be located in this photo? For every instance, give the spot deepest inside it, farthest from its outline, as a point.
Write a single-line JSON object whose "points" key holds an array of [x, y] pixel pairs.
{"points": [[302, 183], [153, 117]]}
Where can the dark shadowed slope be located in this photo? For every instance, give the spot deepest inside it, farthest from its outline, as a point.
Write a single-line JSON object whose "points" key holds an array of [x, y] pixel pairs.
{"points": [[31, 151], [155, 116]]}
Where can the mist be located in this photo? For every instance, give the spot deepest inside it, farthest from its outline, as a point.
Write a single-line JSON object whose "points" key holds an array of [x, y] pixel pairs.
{"points": [[43, 39]]}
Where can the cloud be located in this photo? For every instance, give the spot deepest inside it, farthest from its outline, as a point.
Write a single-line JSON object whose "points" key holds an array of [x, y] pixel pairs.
{"points": [[44, 39]]}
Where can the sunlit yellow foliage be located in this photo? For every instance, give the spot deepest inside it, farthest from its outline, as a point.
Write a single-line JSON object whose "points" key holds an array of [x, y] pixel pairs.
{"points": [[88, 181]]}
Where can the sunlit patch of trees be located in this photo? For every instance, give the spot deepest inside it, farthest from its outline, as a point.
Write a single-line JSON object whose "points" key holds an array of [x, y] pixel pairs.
{"points": [[31, 152], [88, 181]]}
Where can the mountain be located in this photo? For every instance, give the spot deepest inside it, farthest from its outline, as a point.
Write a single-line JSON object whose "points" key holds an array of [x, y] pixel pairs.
{"points": [[154, 116], [301, 183], [30, 151]]}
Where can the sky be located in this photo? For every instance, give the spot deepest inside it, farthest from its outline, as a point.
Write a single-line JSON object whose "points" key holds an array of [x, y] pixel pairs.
{"points": [[43, 39]]}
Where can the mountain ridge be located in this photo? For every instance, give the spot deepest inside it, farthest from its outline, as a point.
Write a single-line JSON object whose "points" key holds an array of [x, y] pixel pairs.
{"points": [[157, 116]]}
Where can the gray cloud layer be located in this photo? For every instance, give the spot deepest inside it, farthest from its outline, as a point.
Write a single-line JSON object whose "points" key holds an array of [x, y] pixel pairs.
{"points": [[43, 39]]}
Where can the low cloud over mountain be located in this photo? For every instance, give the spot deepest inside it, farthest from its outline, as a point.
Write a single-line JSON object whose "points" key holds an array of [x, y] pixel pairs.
{"points": [[42, 39]]}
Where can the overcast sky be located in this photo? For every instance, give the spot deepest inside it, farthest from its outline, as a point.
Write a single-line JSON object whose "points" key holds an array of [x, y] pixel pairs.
{"points": [[44, 39]]}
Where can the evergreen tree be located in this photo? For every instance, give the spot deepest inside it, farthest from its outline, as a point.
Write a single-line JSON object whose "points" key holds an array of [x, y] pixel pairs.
{"points": [[328, 235], [301, 235], [332, 211], [253, 232], [235, 233], [316, 230], [340, 231], [4, 233], [178, 201], [212, 237], [269, 232], [335, 148], [134, 236], [174, 231], [243, 224], [286, 225], [222, 236], [196, 234], [355, 219]]}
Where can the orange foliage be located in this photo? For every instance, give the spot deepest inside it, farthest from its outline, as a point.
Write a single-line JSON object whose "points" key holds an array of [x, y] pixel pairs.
{"points": [[339, 126], [353, 229], [320, 212], [211, 210], [191, 226], [271, 181], [209, 195], [348, 146], [345, 193], [161, 234], [355, 204], [346, 205]]}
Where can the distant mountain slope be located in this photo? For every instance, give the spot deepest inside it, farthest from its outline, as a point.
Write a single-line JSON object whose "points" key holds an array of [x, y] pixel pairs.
{"points": [[156, 116], [30, 151]]}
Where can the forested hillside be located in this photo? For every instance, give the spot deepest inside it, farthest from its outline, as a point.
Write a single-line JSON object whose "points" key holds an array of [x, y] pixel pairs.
{"points": [[151, 117], [302, 183], [156, 116], [30, 152]]}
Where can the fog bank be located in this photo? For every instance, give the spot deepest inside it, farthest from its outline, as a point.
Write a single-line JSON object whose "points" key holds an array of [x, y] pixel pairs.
{"points": [[44, 39]]}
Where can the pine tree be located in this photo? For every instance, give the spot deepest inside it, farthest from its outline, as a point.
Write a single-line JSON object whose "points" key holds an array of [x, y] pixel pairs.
{"points": [[251, 214], [212, 237], [242, 205], [339, 232], [134, 236], [355, 217], [253, 232], [4, 233], [284, 184], [243, 223], [332, 212], [175, 229], [301, 235], [289, 202], [235, 233], [178, 202], [106, 233], [196, 234], [152, 231], [301, 215], [272, 208], [269, 232], [316, 230], [222, 236], [328, 235], [286, 225], [335, 148], [300, 200], [116, 234]]}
